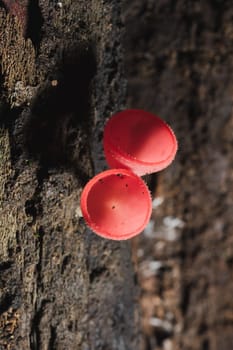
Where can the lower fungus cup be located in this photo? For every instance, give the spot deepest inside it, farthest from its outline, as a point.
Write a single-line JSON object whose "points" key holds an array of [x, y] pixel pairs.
{"points": [[116, 204], [139, 141]]}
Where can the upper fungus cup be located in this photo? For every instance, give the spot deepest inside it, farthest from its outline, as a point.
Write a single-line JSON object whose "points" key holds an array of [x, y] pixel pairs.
{"points": [[140, 141], [116, 204]]}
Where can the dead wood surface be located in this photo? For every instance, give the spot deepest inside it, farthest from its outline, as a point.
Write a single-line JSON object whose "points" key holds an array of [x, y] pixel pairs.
{"points": [[61, 287]]}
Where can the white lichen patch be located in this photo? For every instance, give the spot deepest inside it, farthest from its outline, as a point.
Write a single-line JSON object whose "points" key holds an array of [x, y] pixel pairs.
{"points": [[169, 229], [157, 202], [151, 268], [173, 222], [161, 324]]}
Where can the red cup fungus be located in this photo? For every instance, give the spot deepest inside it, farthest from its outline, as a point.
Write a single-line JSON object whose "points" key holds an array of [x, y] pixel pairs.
{"points": [[116, 204], [139, 141]]}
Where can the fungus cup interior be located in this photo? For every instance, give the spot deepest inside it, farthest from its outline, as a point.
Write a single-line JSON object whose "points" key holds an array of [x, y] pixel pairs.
{"points": [[116, 204], [141, 138]]}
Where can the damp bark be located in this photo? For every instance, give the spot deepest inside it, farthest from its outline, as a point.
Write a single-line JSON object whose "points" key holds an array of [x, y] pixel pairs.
{"points": [[61, 287]]}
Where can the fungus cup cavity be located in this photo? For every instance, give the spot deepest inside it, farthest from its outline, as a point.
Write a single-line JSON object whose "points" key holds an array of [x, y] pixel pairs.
{"points": [[139, 141], [116, 204]]}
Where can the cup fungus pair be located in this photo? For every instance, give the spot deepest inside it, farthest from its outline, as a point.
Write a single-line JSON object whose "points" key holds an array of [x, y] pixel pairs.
{"points": [[116, 203]]}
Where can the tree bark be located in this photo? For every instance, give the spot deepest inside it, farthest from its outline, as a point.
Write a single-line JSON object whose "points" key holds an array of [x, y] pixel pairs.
{"points": [[179, 65], [62, 287]]}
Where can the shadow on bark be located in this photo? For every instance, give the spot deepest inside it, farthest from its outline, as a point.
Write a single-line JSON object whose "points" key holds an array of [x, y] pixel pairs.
{"points": [[57, 125], [61, 115]]}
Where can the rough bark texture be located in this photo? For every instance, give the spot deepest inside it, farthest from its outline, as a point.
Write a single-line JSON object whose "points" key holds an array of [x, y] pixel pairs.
{"points": [[179, 64], [61, 287]]}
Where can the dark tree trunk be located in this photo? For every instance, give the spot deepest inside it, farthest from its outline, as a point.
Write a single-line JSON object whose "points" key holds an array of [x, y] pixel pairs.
{"points": [[61, 287], [180, 63]]}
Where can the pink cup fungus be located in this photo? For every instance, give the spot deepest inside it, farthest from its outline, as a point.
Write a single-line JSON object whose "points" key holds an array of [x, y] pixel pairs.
{"points": [[140, 141], [116, 204]]}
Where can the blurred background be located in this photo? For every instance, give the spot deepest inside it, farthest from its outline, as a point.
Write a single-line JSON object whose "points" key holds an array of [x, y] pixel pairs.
{"points": [[179, 65]]}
